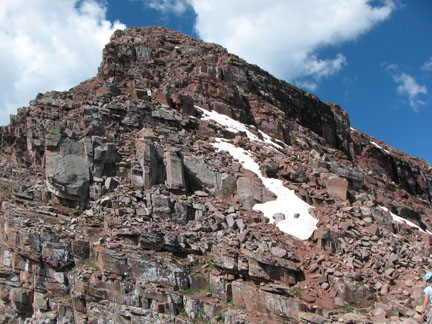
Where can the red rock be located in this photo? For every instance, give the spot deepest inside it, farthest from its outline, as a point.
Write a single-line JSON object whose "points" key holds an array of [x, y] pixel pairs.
{"points": [[125, 233]]}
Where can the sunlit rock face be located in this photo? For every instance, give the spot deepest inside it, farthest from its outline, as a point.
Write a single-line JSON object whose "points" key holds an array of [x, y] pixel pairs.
{"points": [[66, 170], [182, 184]]}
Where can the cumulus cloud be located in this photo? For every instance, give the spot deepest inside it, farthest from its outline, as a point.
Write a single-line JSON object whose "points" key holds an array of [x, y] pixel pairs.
{"points": [[284, 37], [48, 45], [176, 6], [315, 69], [427, 66], [407, 86]]}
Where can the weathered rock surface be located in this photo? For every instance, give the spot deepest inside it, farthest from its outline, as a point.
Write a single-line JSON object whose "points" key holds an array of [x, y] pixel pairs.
{"points": [[117, 208], [66, 170]]}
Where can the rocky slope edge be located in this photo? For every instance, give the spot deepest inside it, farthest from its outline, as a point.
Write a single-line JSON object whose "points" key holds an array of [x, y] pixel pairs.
{"points": [[136, 197]]}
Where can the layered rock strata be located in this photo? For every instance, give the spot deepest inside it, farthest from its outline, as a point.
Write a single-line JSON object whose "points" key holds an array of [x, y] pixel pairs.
{"points": [[117, 207]]}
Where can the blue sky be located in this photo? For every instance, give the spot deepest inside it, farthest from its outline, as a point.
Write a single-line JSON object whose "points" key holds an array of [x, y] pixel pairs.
{"points": [[373, 58]]}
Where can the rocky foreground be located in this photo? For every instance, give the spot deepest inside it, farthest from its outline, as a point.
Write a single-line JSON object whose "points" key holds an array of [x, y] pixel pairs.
{"points": [[118, 205]]}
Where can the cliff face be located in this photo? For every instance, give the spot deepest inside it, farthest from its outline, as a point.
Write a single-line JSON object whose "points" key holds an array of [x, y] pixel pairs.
{"points": [[182, 184]]}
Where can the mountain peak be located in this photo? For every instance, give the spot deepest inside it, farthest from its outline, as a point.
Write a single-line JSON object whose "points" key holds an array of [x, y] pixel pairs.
{"points": [[181, 181]]}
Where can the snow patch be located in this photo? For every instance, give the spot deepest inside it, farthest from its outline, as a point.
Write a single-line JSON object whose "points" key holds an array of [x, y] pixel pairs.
{"points": [[399, 219], [298, 221], [235, 126], [376, 145]]}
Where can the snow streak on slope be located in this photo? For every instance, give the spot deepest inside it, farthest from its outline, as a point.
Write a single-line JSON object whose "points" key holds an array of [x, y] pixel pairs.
{"points": [[399, 219], [298, 222], [235, 126], [377, 146]]}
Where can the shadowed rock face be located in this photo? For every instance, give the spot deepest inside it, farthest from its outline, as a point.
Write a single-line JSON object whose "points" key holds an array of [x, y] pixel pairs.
{"points": [[117, 208]]}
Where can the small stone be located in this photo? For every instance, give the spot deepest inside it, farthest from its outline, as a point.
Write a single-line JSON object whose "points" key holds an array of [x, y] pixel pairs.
{"points": [[240, 224], [384, 289], [230, 220], [111, 184], [278, 217], [389, 272], [278, 252], [201, 193], [325, 285]]}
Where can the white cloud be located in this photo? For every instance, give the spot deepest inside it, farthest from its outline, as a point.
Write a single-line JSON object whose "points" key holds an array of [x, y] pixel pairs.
{"points": [[408, 86], [427, 66], [48, 45], [177, 6], [323, 68], [283, 37], [316, 69]]}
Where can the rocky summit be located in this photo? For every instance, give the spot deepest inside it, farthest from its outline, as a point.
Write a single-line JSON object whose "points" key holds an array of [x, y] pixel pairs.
{"points": [[183, 185]]}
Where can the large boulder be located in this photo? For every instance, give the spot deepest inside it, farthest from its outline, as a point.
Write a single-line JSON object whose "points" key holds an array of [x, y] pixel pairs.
{"points": [[250, 297], [105, 157], [199, 174], [174, 170], [147, 157], [251, 192], [67, 173], [355, 293], [337, 187]]}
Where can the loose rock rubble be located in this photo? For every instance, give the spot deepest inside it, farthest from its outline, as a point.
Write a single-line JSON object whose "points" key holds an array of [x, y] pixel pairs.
{"points": [[116, 207]]}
